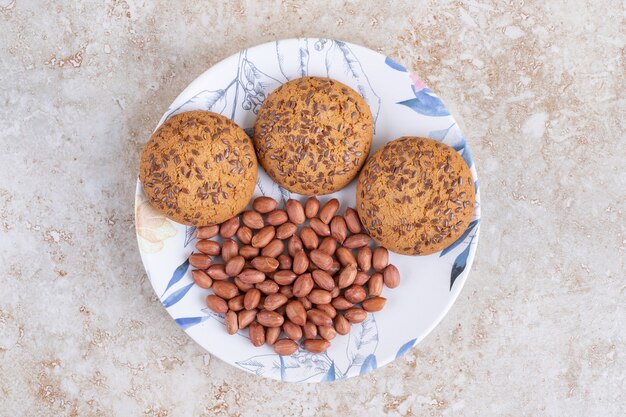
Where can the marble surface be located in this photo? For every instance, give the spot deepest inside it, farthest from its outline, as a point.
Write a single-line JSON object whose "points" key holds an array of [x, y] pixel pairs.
{"points": [[539, 91]]}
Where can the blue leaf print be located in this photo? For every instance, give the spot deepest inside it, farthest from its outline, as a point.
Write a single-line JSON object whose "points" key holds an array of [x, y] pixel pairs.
{"points": [[264, 365], [177, 275], [212, 314], [426, 103], [190, 234], [282, 368], [256, 84], [330, 375], [341, 62], [459, 240], [369, 364], [363, 340], [459, 264], [289, 67], [259, 184], [176, 296], [405, 348], [284, 194], [464, 150], [440, 135], [393, 64], [187, 322], [215, 101], [298, 367]]}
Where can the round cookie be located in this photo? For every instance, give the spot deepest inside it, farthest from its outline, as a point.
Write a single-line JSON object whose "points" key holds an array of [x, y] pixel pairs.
{"points": [[312, 135], [415, 196], [199, 168]]}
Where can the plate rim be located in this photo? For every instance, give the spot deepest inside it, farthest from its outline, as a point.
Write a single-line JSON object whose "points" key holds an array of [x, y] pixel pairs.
{"points": [[458, 284]]}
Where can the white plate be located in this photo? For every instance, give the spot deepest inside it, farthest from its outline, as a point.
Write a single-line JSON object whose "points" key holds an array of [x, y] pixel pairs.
{"points": [[402, 105]]}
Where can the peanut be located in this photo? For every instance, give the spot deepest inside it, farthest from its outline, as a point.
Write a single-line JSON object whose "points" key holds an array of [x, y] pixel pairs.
{"points": [[284, 277], [375, 284], [345, 256], [327, 332], [284, 261], [273, 249], [264, 264], [216, 304], [364, 258], [309, 238], [355, 294], [295, 211], [229, 227], [323, 279], [225, 289], [309, 330], [352, 220], [328, 245], [286, 230], [207, 232], [374, 304], [318, 296], [236, 303], [294, 245], [356, 241], [303, 285], [209, 247], [338, 228], [271, 335], [391, 276], [292, 330], [251, 276], [316, 345], [273, 301], [200, 261], [380, 259], [244, 234], [270, 318], [248, 252], [252, 219], [252, 299], [201, 278], [267, 287], [264, 204], [277, 217], [319, 227], [311, 207], [342, 325], [300, 263], [245, 317], [296, 312], [321, 259], [230, 249], [234, 266], [347, 276], [257, 334], [285, 347], [328, 211], [263, 237], [231, 322], [355, 315], [318, 317]]}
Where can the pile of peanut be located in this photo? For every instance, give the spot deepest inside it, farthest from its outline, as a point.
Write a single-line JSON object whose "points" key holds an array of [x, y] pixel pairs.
{"points": [[318, 288]]}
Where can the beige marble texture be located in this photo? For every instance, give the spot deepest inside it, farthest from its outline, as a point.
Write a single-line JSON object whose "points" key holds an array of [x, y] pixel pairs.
{"points": [[539, 89]]}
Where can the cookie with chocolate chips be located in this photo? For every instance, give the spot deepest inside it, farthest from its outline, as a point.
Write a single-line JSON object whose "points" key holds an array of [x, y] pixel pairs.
{"points": [[199, 168], [415, 196], [312, 135]]}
